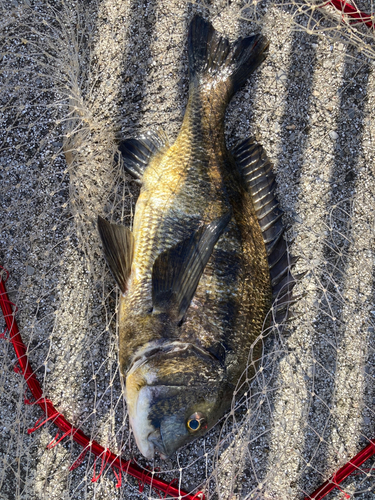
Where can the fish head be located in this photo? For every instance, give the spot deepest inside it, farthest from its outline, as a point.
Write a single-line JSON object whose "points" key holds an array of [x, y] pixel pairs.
{"points": [[174, 396]]}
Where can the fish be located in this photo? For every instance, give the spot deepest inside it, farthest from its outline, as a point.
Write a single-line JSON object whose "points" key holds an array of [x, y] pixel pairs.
{"points": [[204, 260]]}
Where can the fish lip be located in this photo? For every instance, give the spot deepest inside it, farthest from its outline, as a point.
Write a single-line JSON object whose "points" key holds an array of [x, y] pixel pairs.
{"points": [[151, 454], [157, 442]]}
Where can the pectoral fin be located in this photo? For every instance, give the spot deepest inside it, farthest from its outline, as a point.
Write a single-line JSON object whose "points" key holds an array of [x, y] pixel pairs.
{"points": [[137, 153], [177, 271], [118, 246]]}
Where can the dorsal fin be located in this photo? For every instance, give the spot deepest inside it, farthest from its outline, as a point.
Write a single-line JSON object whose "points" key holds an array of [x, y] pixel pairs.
{"points": [[177, 271], [256, 170], [136, 153], [118, 246]]}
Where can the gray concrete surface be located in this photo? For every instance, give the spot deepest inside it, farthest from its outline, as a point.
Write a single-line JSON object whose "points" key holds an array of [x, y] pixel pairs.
{"points": [[78, 76]]}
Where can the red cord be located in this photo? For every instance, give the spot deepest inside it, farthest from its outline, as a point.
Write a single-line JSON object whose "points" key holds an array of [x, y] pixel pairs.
{"points": [[133, 469], [351, 11], [345, 471], [79, 460], [60, 421], [129, 467], [369, 451]]}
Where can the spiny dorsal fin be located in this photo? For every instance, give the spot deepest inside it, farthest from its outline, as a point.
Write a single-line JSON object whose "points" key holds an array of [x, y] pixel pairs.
{"points": [[256, 170], [177, 271], [118, 246], [136, 153]]}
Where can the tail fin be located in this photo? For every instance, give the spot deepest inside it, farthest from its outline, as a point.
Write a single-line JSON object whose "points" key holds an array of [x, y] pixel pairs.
{"points": [[212, 56]]}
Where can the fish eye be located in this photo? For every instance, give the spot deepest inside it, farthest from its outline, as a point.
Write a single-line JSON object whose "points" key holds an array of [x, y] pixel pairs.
{"points": [[195, 422]]}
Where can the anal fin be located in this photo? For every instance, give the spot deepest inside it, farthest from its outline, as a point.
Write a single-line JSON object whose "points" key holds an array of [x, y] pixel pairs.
{"points": [[118, 246], [136, 153]]}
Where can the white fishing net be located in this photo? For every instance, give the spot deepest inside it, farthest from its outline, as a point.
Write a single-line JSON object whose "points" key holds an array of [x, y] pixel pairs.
{"points": [[75, 78]]}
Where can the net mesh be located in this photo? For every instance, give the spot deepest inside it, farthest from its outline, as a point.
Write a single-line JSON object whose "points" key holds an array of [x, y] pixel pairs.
{"points": [[75, 78]]}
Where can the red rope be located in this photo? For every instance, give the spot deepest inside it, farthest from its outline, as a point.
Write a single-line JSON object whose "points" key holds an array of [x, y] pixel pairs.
{"points": [[118, 477], [351, 11], [107, 457], [79, 460], [128, 467], [345, 471], [369, 451]]}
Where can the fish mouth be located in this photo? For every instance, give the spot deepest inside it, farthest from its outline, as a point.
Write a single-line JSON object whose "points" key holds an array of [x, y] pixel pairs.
{"points": [[148, 437], [155, 438]]}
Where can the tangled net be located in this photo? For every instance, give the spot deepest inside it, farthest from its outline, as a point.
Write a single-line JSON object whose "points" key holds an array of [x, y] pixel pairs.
{"points": [[75, 78]]}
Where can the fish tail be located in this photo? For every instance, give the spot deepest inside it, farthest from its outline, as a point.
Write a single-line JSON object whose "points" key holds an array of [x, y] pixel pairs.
{"points": [[213, 59]]}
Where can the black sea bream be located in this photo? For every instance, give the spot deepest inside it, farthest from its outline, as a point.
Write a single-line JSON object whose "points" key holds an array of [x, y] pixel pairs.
{"points": [[197, 270]]}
